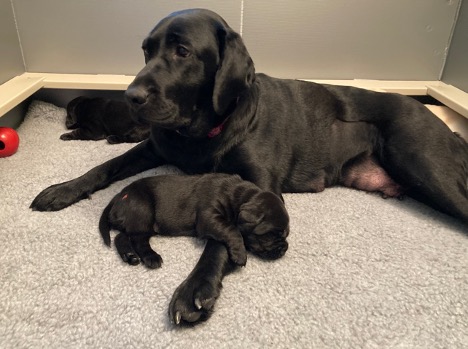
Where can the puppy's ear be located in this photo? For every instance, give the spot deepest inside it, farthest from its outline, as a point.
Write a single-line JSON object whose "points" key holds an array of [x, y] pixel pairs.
{"points": [[236, 70], [249, 217]]}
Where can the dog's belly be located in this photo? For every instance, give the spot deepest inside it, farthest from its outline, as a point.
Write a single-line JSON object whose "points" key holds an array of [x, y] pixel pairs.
{"points": [[365, 173], [324, 164]]}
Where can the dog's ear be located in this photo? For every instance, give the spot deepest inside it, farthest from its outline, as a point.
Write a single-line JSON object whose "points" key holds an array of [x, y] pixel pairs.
{"points": [[236, 70], [249, 217]]}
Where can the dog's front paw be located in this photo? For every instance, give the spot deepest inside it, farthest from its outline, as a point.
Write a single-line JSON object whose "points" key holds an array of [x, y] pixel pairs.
{"points": [[193, 301], [57, 197], [238, 255]]}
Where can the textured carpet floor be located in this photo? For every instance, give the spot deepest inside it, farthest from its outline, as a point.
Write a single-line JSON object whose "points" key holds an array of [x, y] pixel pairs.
{"points": [[361, 272]]}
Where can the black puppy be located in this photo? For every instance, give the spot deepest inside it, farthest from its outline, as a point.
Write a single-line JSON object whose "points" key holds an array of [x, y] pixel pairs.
{"points": [[210, 112], [212, 206], [99, 118]]}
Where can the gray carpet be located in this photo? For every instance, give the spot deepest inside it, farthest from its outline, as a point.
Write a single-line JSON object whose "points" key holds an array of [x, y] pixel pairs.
{"points": [[361, 272]]}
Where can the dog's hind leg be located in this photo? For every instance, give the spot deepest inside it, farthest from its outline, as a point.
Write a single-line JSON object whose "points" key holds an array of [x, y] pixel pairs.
{"points": [[125, 249], [434, 168], [147, 255]]}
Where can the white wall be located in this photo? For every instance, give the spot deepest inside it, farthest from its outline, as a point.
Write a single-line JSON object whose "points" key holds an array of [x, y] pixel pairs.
{"points": [[348, 39], [330, 39], [11, 62], [97, 36], [456, 68]]}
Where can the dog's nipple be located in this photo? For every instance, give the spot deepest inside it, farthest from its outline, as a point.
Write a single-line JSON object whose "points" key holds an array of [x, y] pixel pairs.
{"points": [[125, 196]]}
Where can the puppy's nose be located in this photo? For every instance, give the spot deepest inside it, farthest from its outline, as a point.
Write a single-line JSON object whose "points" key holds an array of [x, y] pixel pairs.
{"points": [[285, 232], [136, 95]]}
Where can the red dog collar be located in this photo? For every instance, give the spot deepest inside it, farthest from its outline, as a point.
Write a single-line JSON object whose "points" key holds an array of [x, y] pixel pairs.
{"points": [[216, 131]]}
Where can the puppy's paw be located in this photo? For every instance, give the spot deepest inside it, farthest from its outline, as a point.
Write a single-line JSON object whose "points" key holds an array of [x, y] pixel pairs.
{"points": [[58, 196], [152, 261], [130, 258], [68, 136], [193, 301], [238, 255]]}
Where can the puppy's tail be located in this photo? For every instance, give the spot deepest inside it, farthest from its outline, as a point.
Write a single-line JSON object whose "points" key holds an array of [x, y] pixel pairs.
{"points": [[104, 225]]}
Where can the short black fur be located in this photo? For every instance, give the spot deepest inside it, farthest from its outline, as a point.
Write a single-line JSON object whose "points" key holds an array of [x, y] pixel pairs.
{"points": [[100, 118], [213, 206]]}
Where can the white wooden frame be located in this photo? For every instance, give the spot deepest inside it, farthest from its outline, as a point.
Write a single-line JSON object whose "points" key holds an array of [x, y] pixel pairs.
{"points": [[18, 89]]}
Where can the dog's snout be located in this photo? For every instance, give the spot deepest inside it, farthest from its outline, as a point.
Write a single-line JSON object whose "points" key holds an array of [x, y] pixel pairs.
{"points": [[136, 95]]}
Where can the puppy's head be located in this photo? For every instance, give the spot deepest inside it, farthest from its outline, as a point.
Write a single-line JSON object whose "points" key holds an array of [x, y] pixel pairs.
{"points": [[196, 68], [264, 213], [73, 107]]}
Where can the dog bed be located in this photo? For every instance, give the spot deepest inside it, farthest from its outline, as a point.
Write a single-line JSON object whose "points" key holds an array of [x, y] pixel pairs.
{"points": [[360, 271]]}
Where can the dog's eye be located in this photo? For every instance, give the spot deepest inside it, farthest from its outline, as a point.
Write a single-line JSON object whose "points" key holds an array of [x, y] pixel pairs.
{"points": [[181, 51]]}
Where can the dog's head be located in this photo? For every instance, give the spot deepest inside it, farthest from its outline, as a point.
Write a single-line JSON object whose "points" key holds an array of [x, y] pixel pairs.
{"points": [[196, 68], [264, 214], [73, 109]]}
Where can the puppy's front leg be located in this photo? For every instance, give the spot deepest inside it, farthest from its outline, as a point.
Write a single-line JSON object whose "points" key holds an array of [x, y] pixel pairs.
{"points": [[194, 299], [82, 134], [59, 196], [212, 225]]}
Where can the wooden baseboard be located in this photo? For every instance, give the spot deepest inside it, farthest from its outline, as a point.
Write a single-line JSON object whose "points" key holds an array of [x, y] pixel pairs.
{"points": [[18, 89]]}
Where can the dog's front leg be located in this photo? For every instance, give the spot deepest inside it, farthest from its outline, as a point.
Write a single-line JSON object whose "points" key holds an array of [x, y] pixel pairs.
{"points": [[59, 196], [194, 299]]}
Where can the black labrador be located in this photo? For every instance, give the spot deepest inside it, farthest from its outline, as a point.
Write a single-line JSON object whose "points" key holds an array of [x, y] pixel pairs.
{"points": [[100, 118], [211, 206], [210, 112]]}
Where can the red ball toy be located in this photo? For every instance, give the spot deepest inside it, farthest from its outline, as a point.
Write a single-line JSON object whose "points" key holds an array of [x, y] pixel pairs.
{"points": [[9, 141]]}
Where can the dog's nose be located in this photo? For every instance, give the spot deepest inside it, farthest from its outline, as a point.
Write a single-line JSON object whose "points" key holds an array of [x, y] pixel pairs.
{"points": [[136, 95], [285, 232]]}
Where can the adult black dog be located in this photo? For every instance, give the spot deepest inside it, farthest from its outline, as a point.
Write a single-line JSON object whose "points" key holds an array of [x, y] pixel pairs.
{"points": [[214, 206], [209, 111], [100, 118]]}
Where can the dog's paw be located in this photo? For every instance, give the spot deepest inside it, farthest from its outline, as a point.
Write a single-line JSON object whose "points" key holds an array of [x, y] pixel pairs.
{"points": [[193, 301], [57, 197], [238, 256], [152, 261], [68, 136], [130, 258]]}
